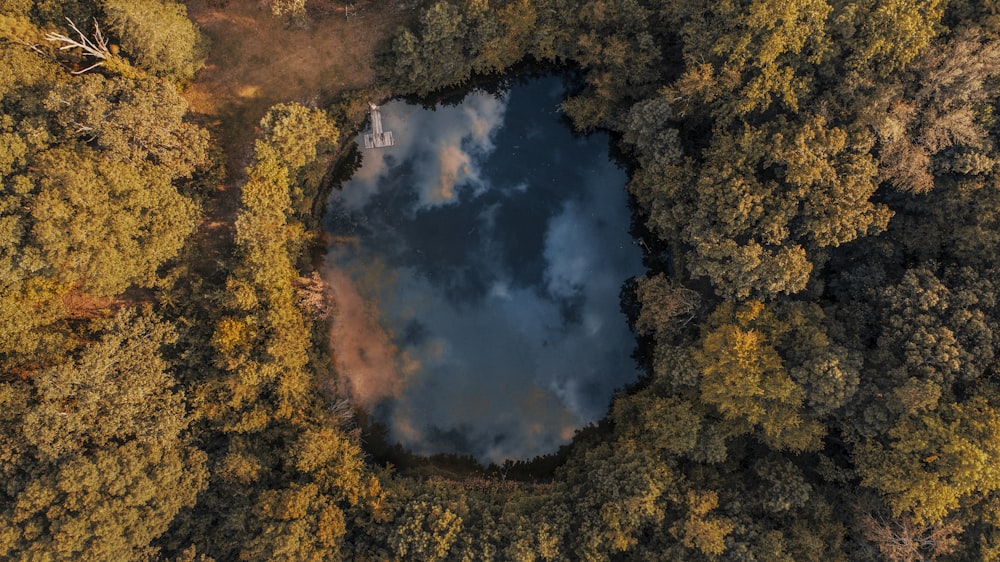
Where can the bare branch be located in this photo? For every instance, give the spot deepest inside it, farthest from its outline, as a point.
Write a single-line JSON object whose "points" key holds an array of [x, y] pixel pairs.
{"points": [[32, 46], [664, 303], [905, 541], [97, 48]]}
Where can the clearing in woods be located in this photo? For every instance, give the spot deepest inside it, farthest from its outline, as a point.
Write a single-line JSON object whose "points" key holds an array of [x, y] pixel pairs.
{"points": [[256, 60]]}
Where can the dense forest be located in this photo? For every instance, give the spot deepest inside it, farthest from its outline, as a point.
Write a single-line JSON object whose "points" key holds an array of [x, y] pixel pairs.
{"points": [[816, 182]]}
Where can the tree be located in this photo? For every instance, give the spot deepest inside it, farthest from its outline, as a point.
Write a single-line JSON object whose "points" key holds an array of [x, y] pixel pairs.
{"points": [[504, 38], [434, 55], [297, 523], [105, 224], [700, 530], [932, 336], [96, 458], [158, 36], [95, 47], [663, 424], [664, 305], [929, 462], [889, 34], [621, 55], [536, 527], [743, 377], [617, 489], [747, 57], [136, 121], [301, 139], [938, 126], [762, 201], [426, 531], [650, 129], [84, 218], [265, 343], [29, 316], [906, 541], [288, 7]]}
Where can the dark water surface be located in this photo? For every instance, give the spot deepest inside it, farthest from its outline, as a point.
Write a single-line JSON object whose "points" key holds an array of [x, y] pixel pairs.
{"points": [[476, 267]]}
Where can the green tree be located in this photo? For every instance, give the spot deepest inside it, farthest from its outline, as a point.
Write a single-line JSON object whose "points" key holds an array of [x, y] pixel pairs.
{"points": [[105, 224], [931, 335], [617, 491], [294, 8], [297, 523], [426, 532], [929, 462], [743, 57], [301, 138], [664, 424], [889, 34], [96, 457], [136, 121], [74, 217], [505, 37], [157, 36], [621, 55], [762, 202], [744, 378], [434, 55], [700, 530], [651, 130]]}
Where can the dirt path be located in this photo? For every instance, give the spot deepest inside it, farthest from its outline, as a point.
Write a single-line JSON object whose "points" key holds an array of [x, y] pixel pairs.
{"points": [[256, 60]]}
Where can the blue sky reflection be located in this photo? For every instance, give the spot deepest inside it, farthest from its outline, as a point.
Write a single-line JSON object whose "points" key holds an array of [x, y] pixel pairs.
{"points": [[476, 267]]}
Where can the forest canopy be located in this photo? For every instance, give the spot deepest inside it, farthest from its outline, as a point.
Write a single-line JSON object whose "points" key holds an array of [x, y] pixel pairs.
{"points": [[815, 183]]}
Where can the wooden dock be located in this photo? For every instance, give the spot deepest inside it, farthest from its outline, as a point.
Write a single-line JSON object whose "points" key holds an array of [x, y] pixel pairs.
{"points": [[377, 138]]}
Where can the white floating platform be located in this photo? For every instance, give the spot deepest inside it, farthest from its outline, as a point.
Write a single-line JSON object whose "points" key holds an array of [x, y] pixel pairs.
{"points": [[377, 138], [380, 140]]}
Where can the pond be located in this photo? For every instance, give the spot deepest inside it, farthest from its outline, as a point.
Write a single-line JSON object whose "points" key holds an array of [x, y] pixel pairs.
{"points": [[476, 268]]}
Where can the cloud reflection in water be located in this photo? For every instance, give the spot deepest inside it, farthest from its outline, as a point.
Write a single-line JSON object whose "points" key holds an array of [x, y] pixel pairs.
{"points": [[477, 273]]}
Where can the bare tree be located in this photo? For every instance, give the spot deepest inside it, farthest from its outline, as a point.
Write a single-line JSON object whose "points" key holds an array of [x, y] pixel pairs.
{"points": [[313, 297], [666, 304], [906, 541], [343, 414], [947, 85], [96, 47]]}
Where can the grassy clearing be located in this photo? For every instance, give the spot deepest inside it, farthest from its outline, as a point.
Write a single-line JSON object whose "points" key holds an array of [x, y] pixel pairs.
{"points": [[256, 60]]}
